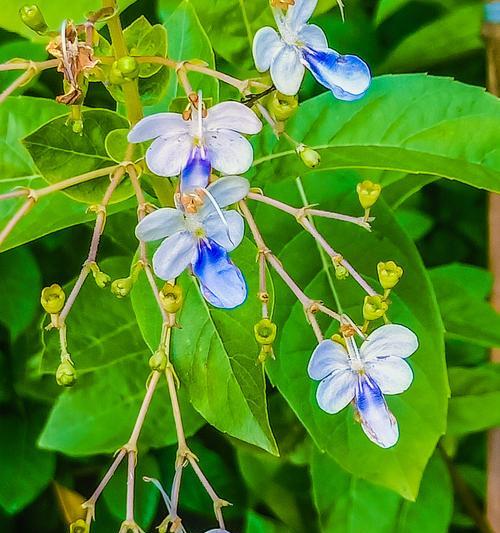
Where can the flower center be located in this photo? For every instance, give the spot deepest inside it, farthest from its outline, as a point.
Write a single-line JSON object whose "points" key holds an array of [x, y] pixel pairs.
{"points": [[194, 225]]}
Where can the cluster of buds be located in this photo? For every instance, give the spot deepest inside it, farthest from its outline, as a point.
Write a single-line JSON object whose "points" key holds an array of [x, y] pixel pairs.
{"points": [[265, 335]]}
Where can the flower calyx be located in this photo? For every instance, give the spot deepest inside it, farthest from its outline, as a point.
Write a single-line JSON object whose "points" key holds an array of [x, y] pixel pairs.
{"points": [[368, 194], [374, 307], [308, 155], [282, 106], [171, 297], [80, 526], [66, 374], [101, 278], [389, 274], [265, 335], [53, 298]]}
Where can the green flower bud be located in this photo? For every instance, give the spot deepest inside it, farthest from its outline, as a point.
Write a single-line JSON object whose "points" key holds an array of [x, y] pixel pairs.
{"points": [[121, 287], [66, 374], [101, 278], [158, 361], [171, 297], [282, 106], [341, 271], [115, 77], [266, 352], [77, 126], [265, 332], [309, 157], [128, 67], [368, 193], [53, 298], [33, 18], [374, 307], [80, 526], [336, 337], [389, 274]]}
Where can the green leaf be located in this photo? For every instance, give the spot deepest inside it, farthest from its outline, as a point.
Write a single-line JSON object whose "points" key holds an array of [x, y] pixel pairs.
{"points": [[414, 124], [421, 411], [187, 40], [60, 154], [146, 496], [461, 291], [20, 285], [215, 354], [453, 35], [54, 12], [116, 145], [97, 414], [475, 399], [18, 49], [386, 8], [28, 470], [143, 39], [416, 223], [256, 523]]}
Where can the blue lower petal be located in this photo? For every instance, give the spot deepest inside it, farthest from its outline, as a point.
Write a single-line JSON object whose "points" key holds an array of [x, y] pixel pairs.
{"points": [[377, 421], [348, 77], [222, 283], [197, 171]]}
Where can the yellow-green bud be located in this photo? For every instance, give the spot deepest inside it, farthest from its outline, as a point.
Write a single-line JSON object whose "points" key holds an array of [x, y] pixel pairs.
{"points": [[53, 298], [374, 307], [121, 287], [389, 274], [368, 193], [115, 77], [128, 67], [80, 526], [266, 352], [33, 18], [66, 374], [341, 271], [158, 361], [283, 106], [101, 278], [336, 337], [77, 126], [265, 332], [309, 157], [171, 297]]}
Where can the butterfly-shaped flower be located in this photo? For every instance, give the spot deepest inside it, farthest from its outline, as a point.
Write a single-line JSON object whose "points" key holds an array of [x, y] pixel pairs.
{"points": [[299, 45], [208, 138], [365, 375], [202, 239]]}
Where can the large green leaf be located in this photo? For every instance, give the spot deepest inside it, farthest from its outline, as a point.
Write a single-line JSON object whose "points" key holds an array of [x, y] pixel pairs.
{"points": [[475, 399], [187, 40], [59, 153], [20, 283], [25, 471], [386, 8], [54, 11], [416, 124], [453, 35], [421, 411], [97, 414], [215, 354], [461, 292]]}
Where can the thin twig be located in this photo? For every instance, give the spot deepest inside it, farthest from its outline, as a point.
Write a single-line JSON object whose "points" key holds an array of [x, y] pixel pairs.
{"points": [[25, 208], [18, 82], [25, 65]]}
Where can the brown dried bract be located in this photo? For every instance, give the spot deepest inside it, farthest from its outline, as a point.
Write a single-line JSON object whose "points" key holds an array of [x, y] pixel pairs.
{"points": [[75, 58], [282, 4]]}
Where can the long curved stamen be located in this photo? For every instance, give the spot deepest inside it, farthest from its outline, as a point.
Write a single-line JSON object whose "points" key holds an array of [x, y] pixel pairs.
{"points": [[64, 49], [200, 116], [220, 213], [164, 495]]}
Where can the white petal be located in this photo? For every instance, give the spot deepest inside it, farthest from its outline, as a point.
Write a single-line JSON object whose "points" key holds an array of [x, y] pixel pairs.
{"points": [[167, 156], [266, 44], [327, 357], [287, 71], [392, 374], [336, 391], [313, 36], [159, 224], [389, 340], [174, 255], [232, 116], [377, 421], [229, 190], [300, 13], [229, 152], [229, 236], [161, 124]]}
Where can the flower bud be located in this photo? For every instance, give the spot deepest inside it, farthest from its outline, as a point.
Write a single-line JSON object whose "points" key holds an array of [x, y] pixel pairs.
{"points": [[80, 526], [121, 287], [266, 352], [368, 193], [341, 271], [53, 298], [101, 278], [115, 77], [171, 297], [339, 339], [374, 307], [77, 126], [33, 18], [389, 274], [158, 361], [309, 157], [282, 106], [66, 374], [128, 67], [265, 332]]}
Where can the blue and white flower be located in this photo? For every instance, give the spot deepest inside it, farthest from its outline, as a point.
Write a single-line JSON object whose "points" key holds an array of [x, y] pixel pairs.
{"points": [[364, 375], [202, 238], [207, 139], [299, 45]]}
